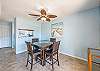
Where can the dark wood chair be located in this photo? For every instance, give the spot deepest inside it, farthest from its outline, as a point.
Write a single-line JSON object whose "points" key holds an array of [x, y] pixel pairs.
{"points": [[36, 48], [49, 54], [35, 40], [52, 39], [31, 53]]}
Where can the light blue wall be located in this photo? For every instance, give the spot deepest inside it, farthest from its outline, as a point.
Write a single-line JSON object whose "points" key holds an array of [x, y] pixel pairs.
{"points": [[45, 30], [23, 23], [81, 31]]}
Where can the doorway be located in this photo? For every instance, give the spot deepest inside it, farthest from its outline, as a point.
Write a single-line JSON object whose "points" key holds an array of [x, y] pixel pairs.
{"points": [[5, 34]]}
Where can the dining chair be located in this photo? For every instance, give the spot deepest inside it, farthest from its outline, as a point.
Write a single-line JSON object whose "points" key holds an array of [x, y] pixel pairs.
{"points": [[31, 54], [34, 46], [52, 39], [41, 56], [35, 40], [49, 54], [93, 55]]}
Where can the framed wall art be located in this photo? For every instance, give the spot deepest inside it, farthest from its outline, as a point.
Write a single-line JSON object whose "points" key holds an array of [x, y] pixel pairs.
{"points": [[57, 29]]}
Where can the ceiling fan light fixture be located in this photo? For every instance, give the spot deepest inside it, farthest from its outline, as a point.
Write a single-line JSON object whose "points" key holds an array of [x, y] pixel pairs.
{"points": [[44, 16], [43, 19]]}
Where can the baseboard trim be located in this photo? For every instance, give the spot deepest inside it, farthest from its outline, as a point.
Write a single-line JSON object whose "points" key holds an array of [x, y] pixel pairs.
{"points": [[74, 56]]}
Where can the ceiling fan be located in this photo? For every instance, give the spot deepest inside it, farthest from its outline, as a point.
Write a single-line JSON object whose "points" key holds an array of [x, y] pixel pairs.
{"points": [[43, 16]]}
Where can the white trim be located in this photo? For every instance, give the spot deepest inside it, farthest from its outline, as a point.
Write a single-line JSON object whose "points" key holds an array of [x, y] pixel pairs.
{"points": [[74, 56]]}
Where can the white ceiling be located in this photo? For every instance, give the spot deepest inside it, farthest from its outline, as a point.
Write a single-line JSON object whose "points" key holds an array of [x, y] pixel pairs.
{"points": [[10, 8]]}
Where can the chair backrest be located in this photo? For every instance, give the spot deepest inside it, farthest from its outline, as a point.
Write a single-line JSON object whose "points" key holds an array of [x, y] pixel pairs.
{"points": [[55, 46], [35, 40], [52, 39], [29, 47]]}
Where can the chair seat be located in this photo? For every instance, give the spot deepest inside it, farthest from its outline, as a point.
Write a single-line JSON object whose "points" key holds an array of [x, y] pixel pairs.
{"points": [[36, 47], [36, 50], [49, 51]]}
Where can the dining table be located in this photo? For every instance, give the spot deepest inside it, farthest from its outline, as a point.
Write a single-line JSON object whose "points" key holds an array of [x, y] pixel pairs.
{"points": [[42, 46]]}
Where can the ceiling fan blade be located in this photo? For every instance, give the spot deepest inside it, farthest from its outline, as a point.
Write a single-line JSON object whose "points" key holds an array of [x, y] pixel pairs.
{"points": [[39, 19], [43, 12], [51, 16], [47, 19], [33, 15]]}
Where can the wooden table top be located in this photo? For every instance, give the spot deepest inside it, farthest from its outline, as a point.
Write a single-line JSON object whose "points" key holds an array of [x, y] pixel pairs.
{"points": [[42, 44]]}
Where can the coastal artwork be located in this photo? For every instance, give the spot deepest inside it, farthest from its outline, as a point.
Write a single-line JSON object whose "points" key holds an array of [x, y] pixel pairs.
{"points": [[57, 29]]}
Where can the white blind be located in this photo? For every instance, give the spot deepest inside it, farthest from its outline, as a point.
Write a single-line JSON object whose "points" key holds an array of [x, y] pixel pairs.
{"points": [[5, 34]]}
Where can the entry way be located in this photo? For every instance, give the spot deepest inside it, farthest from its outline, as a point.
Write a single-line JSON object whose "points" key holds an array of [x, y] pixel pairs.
{"points": [[5, 34]]}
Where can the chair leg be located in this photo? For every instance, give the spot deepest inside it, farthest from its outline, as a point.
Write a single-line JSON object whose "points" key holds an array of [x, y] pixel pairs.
{"points": [[50, 58], [31, 64], [89, 60], [27, 60], [57, 59], [52, 62]]}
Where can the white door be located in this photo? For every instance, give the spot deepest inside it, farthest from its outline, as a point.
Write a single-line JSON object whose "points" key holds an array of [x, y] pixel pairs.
{"points": [[5, 34]]}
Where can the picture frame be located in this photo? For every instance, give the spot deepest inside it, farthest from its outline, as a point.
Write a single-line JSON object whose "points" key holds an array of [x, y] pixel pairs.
{"points": [[57, 29]]}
